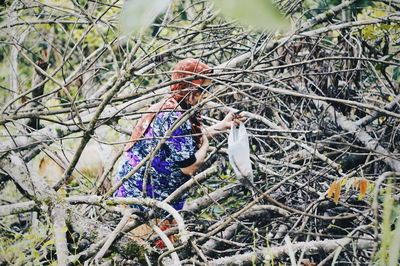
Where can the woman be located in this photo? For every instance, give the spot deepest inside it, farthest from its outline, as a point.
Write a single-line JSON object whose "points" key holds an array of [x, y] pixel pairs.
{"points": [[182, 154]]}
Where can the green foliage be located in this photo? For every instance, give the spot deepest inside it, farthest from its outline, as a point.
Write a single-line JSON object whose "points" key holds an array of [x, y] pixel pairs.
{"points": [[135, 250], [389, 250], [262, 14], [376, 31], [232, 203], [396, 73], [138, 14], [316, 7], [26, 248]]}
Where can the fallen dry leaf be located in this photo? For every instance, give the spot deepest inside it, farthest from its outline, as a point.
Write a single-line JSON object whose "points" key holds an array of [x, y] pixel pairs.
{"points": [[363, 188], [336, 193], [335, 189]]}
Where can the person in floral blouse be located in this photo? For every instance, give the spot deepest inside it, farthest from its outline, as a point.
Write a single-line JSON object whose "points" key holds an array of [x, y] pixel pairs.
{"points": [[181, 154]]}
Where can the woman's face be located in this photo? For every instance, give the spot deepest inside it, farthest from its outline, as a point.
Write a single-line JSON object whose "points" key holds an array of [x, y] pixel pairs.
{"points": [[198, 95]]}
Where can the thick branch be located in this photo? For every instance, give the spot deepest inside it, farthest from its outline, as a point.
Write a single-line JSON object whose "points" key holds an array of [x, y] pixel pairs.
{"points": [[58, 216], [278, 252]]}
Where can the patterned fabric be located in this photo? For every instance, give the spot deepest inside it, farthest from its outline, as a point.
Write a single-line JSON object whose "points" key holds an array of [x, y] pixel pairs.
{"points": [[144, 122], [164, 176]]}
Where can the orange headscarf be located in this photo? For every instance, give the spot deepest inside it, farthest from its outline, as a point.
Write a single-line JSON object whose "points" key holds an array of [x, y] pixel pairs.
{"points": [[187, 65], [172, 101]]}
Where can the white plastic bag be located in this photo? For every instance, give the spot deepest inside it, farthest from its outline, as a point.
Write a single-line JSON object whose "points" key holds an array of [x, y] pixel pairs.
{"points": [[239, 153]]}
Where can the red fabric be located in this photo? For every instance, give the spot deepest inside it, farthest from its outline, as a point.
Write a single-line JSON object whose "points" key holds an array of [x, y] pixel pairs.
{"points": [[171, 102], [165, 225]]}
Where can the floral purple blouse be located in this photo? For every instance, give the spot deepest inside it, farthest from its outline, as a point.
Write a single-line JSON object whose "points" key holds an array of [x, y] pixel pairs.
{"points": [[165, 175]]}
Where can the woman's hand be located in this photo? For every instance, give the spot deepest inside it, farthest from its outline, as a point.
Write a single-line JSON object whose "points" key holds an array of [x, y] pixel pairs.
{"points": [[225, 124], [235, 117]]}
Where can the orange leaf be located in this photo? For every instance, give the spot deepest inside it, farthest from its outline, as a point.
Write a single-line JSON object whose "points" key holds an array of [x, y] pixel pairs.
{"points": [[337, 193], [363, 188], [331, 189], [356, 183]]}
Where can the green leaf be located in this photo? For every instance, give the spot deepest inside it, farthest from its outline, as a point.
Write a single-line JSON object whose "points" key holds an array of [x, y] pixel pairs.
{"points": [[47, 243], [396, 73], [224, 176], [139, 14], [36, 254], [259, 13], [394, 250]]}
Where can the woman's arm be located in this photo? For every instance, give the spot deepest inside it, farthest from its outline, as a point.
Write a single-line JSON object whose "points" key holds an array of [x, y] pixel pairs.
{"points": [[224, 124], [210, 132], [200, 157], [217, 129]]}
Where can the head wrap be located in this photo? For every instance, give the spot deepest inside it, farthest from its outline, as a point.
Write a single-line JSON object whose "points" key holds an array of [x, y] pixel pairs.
{"points": [[175, 99], [186, 68]]}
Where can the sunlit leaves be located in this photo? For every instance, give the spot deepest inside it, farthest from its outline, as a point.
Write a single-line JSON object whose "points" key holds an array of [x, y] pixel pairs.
{"points": [[139, 14], [26, 248], [375, 31], [388, 253], [362, 185], [47, 243], [331, 190], [335, 188], [259, 13]]}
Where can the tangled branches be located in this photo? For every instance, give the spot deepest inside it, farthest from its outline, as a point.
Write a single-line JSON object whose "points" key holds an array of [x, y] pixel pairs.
{"points": [[322, 103]]}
